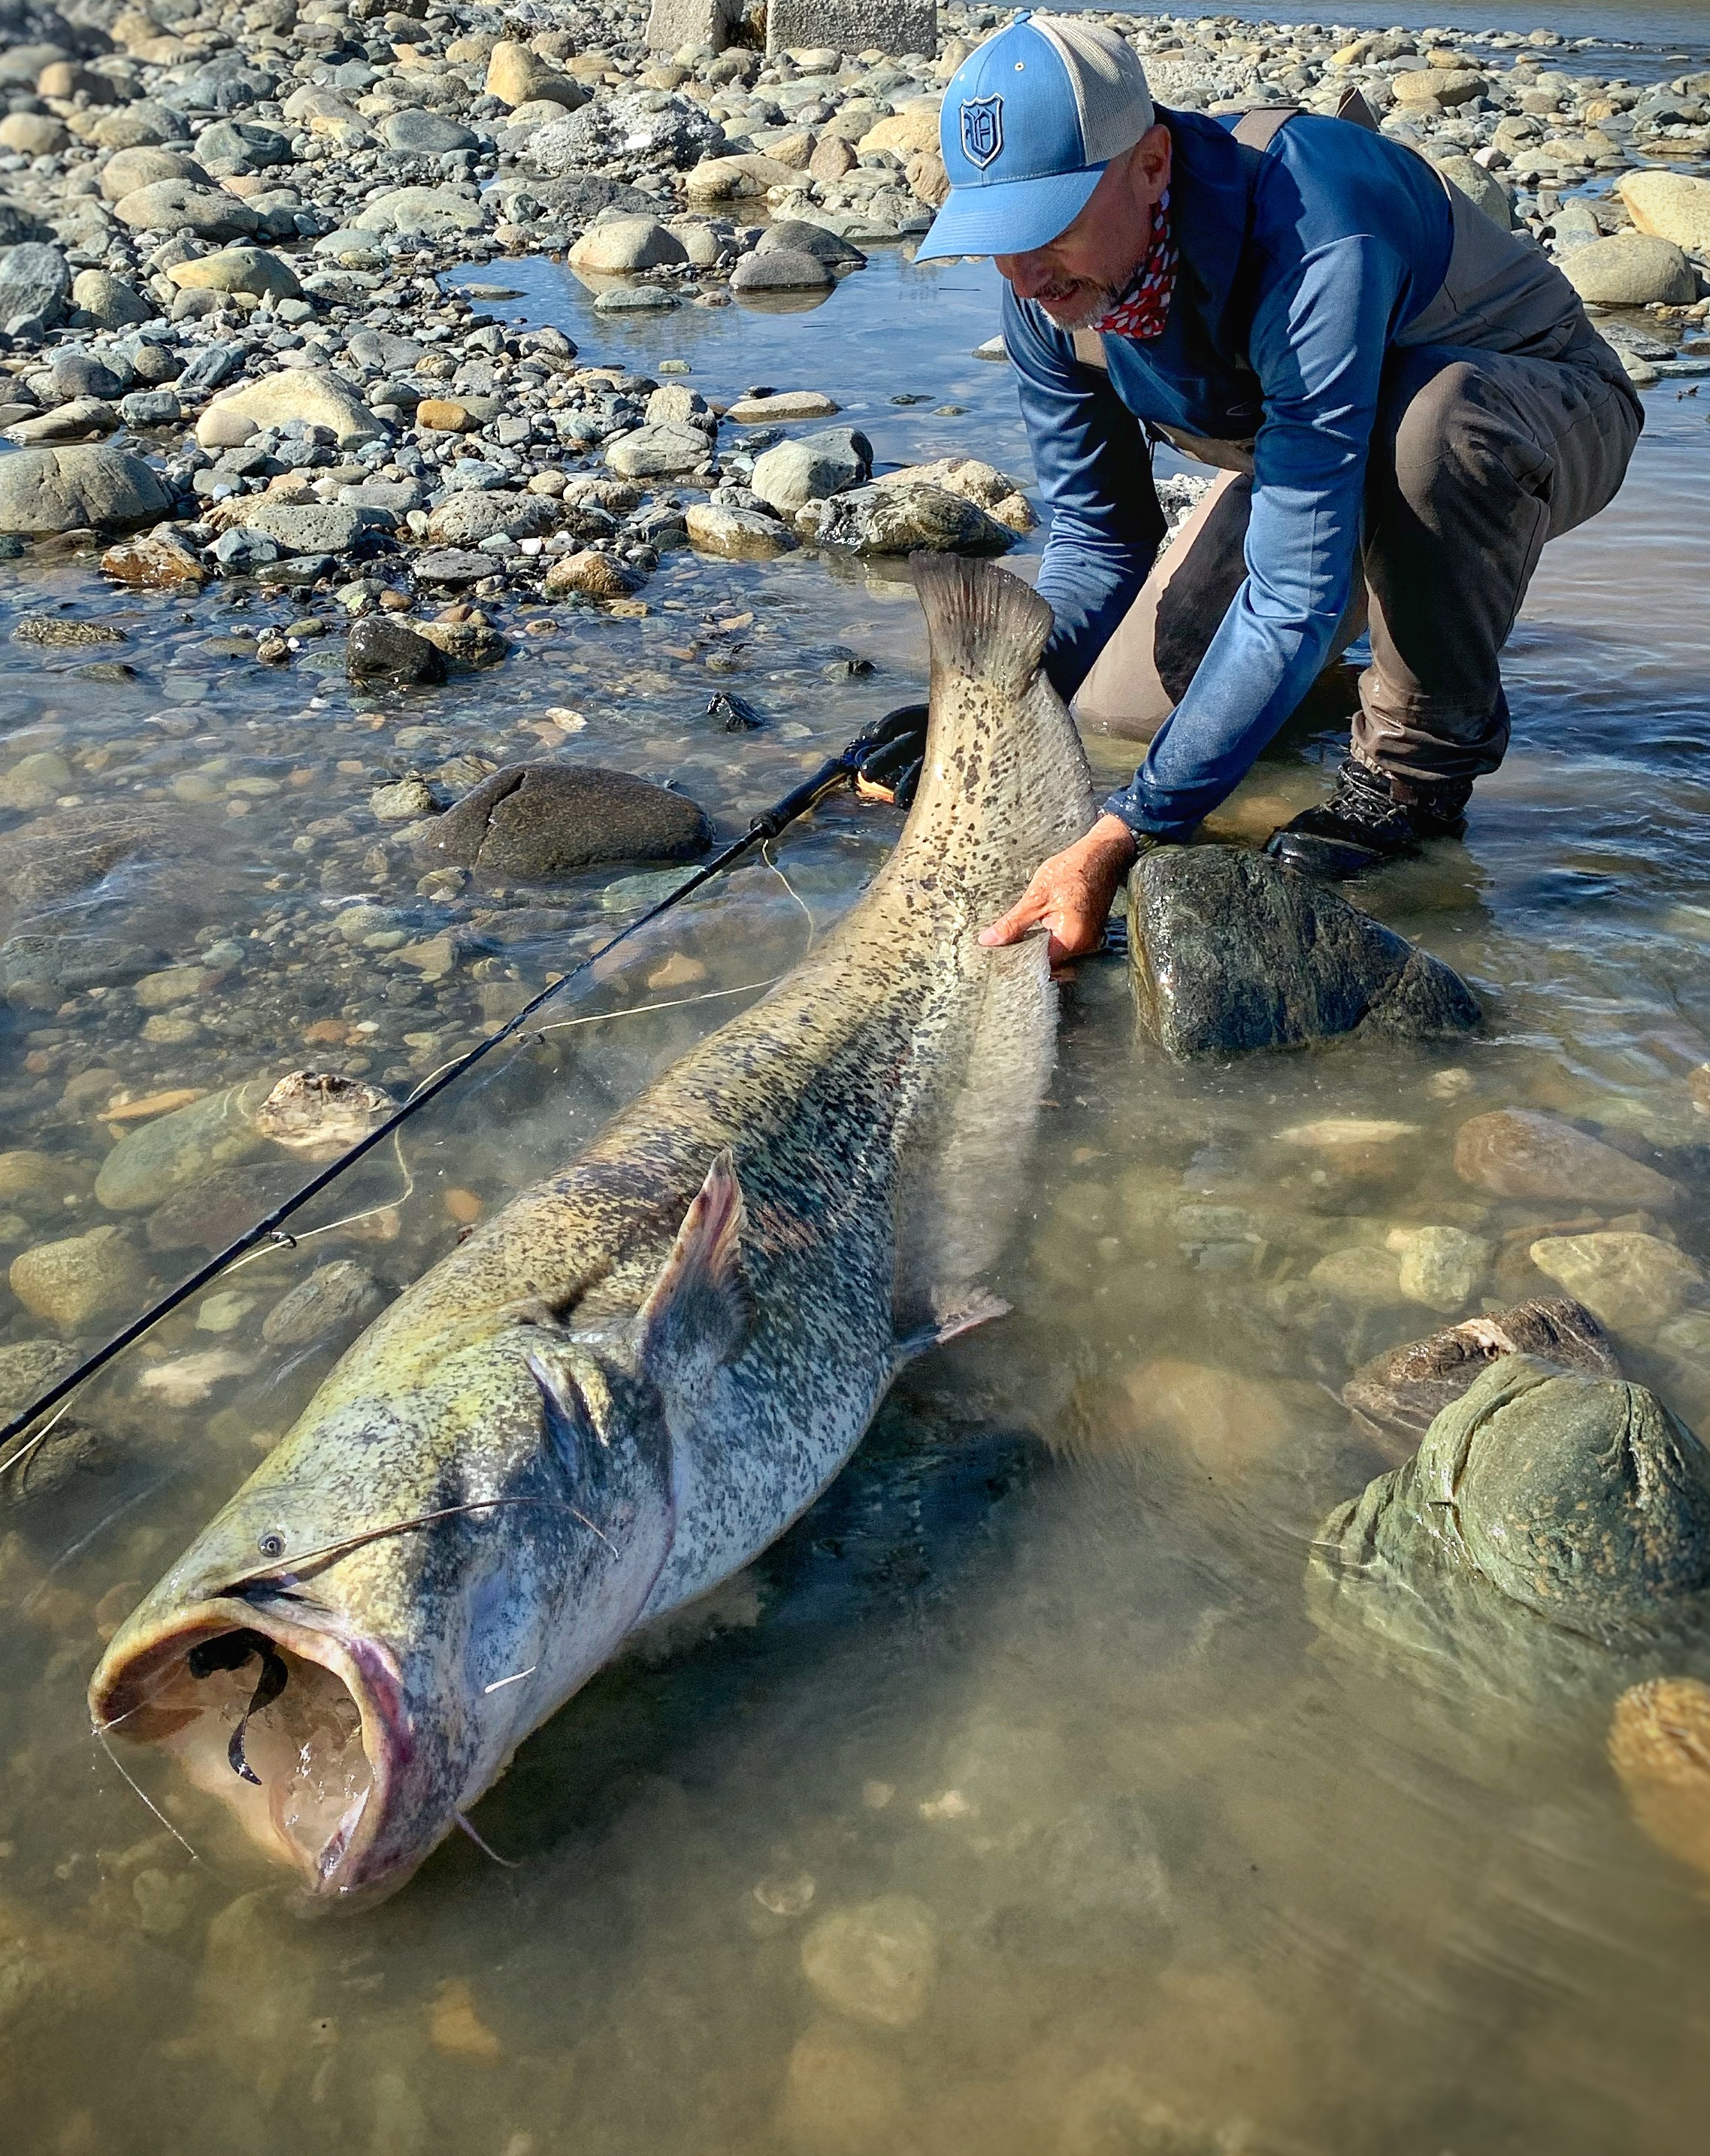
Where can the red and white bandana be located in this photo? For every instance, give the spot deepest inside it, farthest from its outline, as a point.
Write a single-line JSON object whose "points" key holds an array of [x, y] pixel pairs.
{"points": [[1144, 307]]}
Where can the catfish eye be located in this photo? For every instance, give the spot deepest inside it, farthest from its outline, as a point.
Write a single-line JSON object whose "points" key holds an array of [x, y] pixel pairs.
{"points": [[272, 1544]]}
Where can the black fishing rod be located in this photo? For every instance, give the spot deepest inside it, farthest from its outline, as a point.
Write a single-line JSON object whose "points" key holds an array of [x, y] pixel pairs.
{"points": [[887, 758]]}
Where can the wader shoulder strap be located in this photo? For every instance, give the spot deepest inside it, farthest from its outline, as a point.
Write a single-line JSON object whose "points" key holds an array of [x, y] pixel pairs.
{"points": [[1256, 129]]}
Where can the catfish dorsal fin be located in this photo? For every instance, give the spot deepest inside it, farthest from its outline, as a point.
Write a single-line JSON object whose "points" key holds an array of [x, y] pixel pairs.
{"points": [[698, 1310]]}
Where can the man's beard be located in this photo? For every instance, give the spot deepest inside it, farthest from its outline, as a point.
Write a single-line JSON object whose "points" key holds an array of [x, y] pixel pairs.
{"points": [[1088, 304]]}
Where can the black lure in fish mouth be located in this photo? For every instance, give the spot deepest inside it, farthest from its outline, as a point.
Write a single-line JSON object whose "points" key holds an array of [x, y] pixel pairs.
{"points": [[230, 1651]]}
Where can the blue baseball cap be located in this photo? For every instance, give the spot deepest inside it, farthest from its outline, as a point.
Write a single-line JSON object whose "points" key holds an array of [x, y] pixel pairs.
{"points": [[1029, 122]]}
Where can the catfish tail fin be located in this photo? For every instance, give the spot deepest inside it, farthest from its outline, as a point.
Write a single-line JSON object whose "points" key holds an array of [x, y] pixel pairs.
{"points": [[1005, 781], [981, 623]]}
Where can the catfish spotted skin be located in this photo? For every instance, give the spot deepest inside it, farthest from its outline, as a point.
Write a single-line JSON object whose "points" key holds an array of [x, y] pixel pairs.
{"points": [[632, 1379]]}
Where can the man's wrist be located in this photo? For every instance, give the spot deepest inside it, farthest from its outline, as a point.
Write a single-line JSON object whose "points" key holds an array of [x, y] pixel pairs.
{"points": [[1111, 839]]}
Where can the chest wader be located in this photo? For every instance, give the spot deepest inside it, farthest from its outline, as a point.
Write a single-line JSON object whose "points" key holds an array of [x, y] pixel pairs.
{"points": [[1503, 421]]}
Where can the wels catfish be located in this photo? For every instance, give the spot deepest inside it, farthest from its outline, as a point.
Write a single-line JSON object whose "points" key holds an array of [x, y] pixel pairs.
{"points": [[635, 1376]]}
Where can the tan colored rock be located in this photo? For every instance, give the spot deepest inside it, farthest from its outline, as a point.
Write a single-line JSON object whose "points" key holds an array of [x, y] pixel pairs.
{"points": [[127, 170], [1522, 1152], [32, 134], [927, 180], [444, 415], [1632, 1281], [592, 576], [915, 127], [796, 149], [1225, 1422], [1659, 1745], [625, 245], [1447, 86], [1630, 270], [1670, 206], [842, 2096], [154, 562], [516, 75], [877, 1963], [298, 392], [251, 270], [833, 156], [71, 1285], [743, 178], [735, 535], [25, 1173], [782, 404]]}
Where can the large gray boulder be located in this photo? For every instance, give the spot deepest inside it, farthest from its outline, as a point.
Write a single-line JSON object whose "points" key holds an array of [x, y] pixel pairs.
{"points": [[467, 519], [35, 283], [1228, 950], [539, 822], [639, 124], [48, 490], [812, 466], [311, 527], [1630, 270], [852, 26]]}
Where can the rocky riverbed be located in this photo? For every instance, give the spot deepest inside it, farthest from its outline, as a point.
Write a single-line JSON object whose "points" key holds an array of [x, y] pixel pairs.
{"points": [[459, 464]]}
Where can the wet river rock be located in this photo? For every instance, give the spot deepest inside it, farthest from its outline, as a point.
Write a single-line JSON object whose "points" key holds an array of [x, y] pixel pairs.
{"points": [[537, 821], [382, 650], [335, 1298], [1402, 1391], [217, 1208], [1579, 1499], [1230, 951], [1659, 1745], [1522, 1152]]}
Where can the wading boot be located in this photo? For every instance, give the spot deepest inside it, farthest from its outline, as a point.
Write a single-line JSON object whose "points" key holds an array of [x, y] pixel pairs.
{"points": [[1364, 824]]}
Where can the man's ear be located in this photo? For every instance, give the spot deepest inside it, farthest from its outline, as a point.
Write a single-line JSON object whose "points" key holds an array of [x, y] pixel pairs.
{"points": [[1150, 162]]}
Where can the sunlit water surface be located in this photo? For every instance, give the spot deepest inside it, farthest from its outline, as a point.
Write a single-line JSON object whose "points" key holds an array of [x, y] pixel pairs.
{"points": [[1168, 1869]]}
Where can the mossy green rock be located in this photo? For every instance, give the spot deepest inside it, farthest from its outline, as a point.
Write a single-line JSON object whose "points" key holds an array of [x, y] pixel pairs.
{"points": [[1581, 1499]]}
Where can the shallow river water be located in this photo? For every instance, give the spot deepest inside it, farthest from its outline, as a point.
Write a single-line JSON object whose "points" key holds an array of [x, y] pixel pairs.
{"points": [[1014, 1802]]}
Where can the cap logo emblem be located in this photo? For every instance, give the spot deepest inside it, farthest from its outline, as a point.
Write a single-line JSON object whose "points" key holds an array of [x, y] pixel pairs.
{"points": [[981, 129]]}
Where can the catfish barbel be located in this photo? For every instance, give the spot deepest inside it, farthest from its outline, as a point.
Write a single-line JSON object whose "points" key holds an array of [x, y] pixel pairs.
{"points": [[640, 1371]]}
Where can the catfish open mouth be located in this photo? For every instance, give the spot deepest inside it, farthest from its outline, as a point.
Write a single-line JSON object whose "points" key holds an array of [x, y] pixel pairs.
{"points": [[276, 1720]]}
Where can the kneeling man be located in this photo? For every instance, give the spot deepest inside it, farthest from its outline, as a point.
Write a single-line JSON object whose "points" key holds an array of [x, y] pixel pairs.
{"points": [[1411, 401]]}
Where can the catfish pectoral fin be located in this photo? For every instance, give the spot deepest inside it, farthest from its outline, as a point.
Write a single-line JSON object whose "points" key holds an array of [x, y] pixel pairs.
{"points": [[979, 1308]]}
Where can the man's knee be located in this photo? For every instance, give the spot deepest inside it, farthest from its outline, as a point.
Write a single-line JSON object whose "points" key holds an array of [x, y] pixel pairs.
{"points": [[1451, 439]]}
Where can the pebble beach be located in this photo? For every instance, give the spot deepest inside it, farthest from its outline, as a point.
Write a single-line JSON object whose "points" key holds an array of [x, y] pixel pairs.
{"points": [[459, 465]]}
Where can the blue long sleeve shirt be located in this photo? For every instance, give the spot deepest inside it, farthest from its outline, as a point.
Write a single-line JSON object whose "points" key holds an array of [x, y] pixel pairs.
{"points": [[1299, 266]]}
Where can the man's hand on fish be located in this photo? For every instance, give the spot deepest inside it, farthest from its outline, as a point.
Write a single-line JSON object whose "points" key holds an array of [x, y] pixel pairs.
{"points": [[1072, 894]]}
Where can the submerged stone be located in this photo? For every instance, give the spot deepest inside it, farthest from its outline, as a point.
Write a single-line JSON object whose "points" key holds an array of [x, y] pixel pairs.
{"points": [[381, 649], [877, 1963], [1522, 1152], [334, 1298], [1402, 1390], [1659, 1745], [1581, 1499], [148, 1164], [70, 1285], [1230, 951], [1632, 1281], [536, 821]]}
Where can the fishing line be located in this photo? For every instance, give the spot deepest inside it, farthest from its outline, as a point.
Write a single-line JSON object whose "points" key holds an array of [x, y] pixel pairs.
{"points": [[100, 1735], [879, 744]]}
